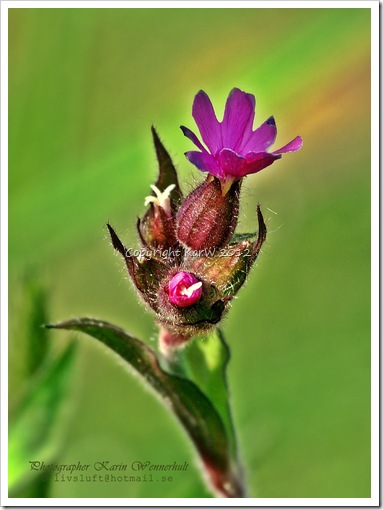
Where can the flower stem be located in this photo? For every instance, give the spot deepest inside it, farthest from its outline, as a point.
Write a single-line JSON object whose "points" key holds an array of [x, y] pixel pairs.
{"points": [[227, 484], [224, 477], [170, 341]]}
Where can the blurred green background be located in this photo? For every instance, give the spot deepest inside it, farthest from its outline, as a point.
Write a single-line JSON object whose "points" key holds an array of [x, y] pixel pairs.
{"points": [[85, 85]]}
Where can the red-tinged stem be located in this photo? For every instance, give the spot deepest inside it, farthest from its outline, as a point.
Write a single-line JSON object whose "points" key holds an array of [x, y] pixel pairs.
{"points": [[227, 484], [169, 341]]}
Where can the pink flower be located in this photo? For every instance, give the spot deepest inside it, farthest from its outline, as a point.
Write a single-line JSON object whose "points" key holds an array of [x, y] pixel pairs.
{"points": [[184, 290], [234, 149]]}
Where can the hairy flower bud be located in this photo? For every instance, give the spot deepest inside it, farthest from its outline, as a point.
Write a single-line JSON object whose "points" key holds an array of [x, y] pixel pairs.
{"points": [[198, 317], [207, 218], [157, 228]]}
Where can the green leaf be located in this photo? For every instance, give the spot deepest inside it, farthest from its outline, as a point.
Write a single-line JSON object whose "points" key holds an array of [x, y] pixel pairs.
{"points": [[194, 409], [38, 428], [38, 339]]}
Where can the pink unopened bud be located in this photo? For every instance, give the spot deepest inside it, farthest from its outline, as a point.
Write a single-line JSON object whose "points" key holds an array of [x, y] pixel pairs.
{"points": [[184, 290]]}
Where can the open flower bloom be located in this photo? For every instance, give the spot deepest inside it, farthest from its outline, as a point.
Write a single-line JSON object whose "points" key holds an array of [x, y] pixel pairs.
{"points": [[234, 149]]}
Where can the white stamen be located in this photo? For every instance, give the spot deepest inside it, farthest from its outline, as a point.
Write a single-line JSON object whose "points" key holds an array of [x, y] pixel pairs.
{"points": [[189, 291], [162, 198], [140, 258]]}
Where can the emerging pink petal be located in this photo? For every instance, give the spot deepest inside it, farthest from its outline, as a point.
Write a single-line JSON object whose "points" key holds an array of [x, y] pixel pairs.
{"points": [[208, 125], [238, 118], [184, 290]]}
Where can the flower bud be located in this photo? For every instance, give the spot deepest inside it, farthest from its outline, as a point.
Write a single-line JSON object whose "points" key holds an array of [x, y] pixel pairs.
{"points": [[207, 218], [179, 313], [184, 304], [184, 290], [157, 227]]}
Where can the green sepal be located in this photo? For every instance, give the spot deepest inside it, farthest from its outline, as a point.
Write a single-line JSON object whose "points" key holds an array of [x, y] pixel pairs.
{"points": [[167, 172], [229, 267]]}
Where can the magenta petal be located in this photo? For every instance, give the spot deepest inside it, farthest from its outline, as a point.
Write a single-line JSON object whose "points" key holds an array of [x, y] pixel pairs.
{"points": [[189, 134], [238, 118], [292, 146], [261, 138], [231, 163], [258, 161], [208, 125], [204, 161]]}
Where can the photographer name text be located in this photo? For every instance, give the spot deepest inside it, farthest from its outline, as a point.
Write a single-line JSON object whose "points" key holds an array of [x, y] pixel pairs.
{"points": [[106, 471]]}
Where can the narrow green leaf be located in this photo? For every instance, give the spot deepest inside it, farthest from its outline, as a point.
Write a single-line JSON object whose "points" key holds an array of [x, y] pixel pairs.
{"points": [[37, 430], [194, 409], [35, 316]]}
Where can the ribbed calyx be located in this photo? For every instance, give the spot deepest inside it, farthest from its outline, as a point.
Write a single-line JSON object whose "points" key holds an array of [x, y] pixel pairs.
{"points": [[207, 218]]}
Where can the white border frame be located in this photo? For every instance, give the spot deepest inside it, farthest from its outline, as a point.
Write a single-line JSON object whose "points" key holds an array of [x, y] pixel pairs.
{"points": [[375, 183]]}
